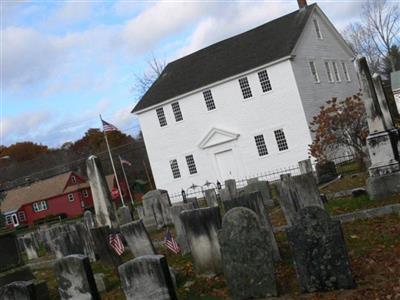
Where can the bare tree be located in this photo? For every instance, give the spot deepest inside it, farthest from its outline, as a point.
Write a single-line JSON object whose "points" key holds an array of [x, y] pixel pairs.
{"points": [[143, 81], [376, 33]]}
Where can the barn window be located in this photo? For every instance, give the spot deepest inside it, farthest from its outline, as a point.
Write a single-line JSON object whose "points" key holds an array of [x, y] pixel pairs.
{"points": [[191, 164], [85, 193], [8, 220], [71, 197], [73, 179], [245, 87], [281, 140], [177, 111], [264, 81], [39, 206], [260, 143], [317, 29], [175, 168], [208, 98], [161, 117], [314, 71], [21, 216]]}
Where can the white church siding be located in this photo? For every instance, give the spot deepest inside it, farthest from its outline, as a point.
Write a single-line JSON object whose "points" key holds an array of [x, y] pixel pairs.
{"points": [[280, 108], [329, 48]]}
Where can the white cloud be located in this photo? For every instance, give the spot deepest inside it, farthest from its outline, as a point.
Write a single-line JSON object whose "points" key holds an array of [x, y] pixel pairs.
{"points": [[73, 11], [24, 126], [29, 56]]}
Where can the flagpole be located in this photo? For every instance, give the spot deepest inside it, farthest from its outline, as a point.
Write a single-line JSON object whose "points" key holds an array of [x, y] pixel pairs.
{"points": [[126, 180], [112, 164]]}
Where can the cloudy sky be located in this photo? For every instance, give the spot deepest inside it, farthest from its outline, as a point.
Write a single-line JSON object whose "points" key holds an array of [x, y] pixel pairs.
{"points": [[65, 62]]}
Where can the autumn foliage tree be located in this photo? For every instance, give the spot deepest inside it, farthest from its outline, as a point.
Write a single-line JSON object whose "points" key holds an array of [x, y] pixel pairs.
{"points": [[339, 124]]}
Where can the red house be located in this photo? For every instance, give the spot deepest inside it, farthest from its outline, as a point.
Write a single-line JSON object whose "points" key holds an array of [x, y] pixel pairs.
{"points": [[68, 194]]}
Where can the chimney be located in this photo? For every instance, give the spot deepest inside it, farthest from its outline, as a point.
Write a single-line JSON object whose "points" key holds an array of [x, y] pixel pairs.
{"points": [[302, 3]]}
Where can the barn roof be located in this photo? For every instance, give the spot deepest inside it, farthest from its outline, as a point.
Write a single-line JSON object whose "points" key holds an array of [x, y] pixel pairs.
{"points": [[39, 190], [235, 55]]}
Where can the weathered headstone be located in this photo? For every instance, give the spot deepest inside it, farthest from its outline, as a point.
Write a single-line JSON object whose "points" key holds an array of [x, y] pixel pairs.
{"points": [[106, 254], [224, 195], [262, 187], [124, 215], [155, 204], [211, 197], [296, 193], [88, 219], [193, 200], [140, 211], [305, 166], [179, 228], [247, 258], [147, 277], [255, 203], [201, 227], [87, 240], [384, 172], [29, 246], [19, 290], [319, 252], [9, 252], [230, 185], [105, 215], [75, 278], [138, 239]]}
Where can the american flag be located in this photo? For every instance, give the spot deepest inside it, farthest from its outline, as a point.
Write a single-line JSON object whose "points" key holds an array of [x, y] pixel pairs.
{"points": [[170, 243], [115, 242], [107, 127], [124, 161]]}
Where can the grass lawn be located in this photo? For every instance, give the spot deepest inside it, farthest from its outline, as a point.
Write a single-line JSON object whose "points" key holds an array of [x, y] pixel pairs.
{"points": [[347, 182], [349, 204]]}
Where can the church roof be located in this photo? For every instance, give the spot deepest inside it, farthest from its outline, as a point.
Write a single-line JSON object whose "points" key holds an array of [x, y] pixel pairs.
{"points": [[235, 55]]}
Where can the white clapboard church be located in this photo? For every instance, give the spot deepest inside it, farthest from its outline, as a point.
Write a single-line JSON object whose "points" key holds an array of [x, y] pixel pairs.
{"points": [[242, 106]]}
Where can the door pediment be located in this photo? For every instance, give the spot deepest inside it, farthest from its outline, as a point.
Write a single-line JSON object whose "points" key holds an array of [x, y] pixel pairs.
{"points": [[217, 136]]}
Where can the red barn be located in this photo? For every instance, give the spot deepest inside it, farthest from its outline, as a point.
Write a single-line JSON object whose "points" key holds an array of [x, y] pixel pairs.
{"points": [[68, 194]]}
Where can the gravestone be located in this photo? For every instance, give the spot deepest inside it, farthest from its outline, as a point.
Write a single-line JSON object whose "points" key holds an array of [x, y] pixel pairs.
{"points": [[105, 215], [124, 215], [155, 205], [9, 252], [87, 240], [29, 246], [224, 195], [68, 242], [230, 185], [201, 227], [262, 187], [75, 278], [382, 142], [106, 254], [296, 193], [88, 219], [255, 203], [305, 166], [247, 258], [319, 252], [140, 211], [138, 239], [179, 228], [211, 197], [19, 290], [147, 277], [193, 200]]}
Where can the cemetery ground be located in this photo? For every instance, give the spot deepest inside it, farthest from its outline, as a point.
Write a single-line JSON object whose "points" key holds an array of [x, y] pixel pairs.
{"points": [[373, 246]]}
